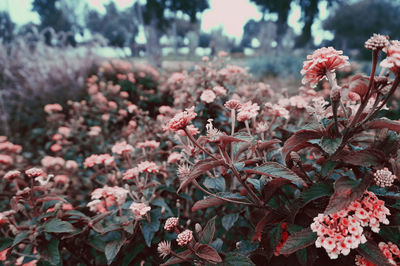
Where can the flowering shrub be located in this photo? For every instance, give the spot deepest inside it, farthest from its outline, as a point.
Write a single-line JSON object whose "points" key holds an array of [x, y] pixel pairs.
{"points": [[232, 174]]}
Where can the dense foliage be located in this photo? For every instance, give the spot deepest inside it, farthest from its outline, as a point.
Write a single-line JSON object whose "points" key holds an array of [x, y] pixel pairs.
{"points": [[211, 167]]}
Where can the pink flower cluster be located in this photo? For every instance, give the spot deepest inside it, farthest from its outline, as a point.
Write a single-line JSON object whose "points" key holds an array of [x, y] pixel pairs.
{"points": [[340, 232], [390, 250], [247, 111], [105, 197], [392, 60], [184, 238], [121, 148], [181, 120], [208, 96], [139, 209], [149, 167], [171, 223], [96, 159], [51, 108], [322, 60], [148, 144], [384, 178]]}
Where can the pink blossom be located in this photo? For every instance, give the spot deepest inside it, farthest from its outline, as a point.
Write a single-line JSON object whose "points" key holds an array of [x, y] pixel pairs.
{"points": [[233, 104], [148, 144], [277, 110], [34, 172], [96, 159], [50, 161], [208, 96], [376, 42], [184, 238], [62, 179], [384, 178], [219, 90], [392, 60], [121, 148], [149, 167], [320, 62], [171, 223], [164, 248], [56, 147], [51, 108], [139, 209], [12, 174], [5, 159], [131, 173], [192, 130], [181, 120], [124, 94], [247, 111], [65, 131], [70, 164], [94, 131], [3, 254]]}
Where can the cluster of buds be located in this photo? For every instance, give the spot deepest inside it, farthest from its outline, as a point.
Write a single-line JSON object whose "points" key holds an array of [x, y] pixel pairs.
{"points": [[376, 42], [384, 178], [342, 231]]}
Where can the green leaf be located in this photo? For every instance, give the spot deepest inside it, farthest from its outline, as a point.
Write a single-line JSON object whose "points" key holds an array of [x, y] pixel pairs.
{"points": [[129, 256], [206, 236], [149, 229], [58, 226], [315, 192], [21, 236], [298, 240], [54, 252], [5, 243], [112, 248], [237, 259], [327, 167], [330, 145], [372, 252], [229, 220], [247, 246], [215, 183], [276, 170]]}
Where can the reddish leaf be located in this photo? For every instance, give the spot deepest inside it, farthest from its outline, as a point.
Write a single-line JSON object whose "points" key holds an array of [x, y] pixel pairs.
{"points": [[207, 234], [298, 240], [346, 191], [266, 144], [260, 227], [299, 140], [206, 203], [383, 123], [185, 255], [198, 169], [275, 170], [228, 139], [207, 253], [272, 186], [367, 157]]}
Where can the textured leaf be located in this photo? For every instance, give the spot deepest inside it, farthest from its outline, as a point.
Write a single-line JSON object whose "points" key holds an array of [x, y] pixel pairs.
{"points": [[207, 234], [21, 236], [383, 123], [327, 167], [346, 191], [315, 192], [207, 253], [272, 186], [236, 259], [150, 228], [198, 169], [372, 252], [298, 240], [260, 227], [299, 140], [212, 201], [5, 243], [275, 170], [367, 157], [54, 252], [265, 144], [215, 183], [330, 145], [112, 248], [229, 220], [174, 260], [58, 226]]}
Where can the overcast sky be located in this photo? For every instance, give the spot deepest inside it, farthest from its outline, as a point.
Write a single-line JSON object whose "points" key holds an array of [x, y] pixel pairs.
{"points": [[231, 15]]}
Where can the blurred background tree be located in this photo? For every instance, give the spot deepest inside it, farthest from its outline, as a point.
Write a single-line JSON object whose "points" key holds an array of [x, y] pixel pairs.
{"points": [[7, 27], [353, 23]]}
